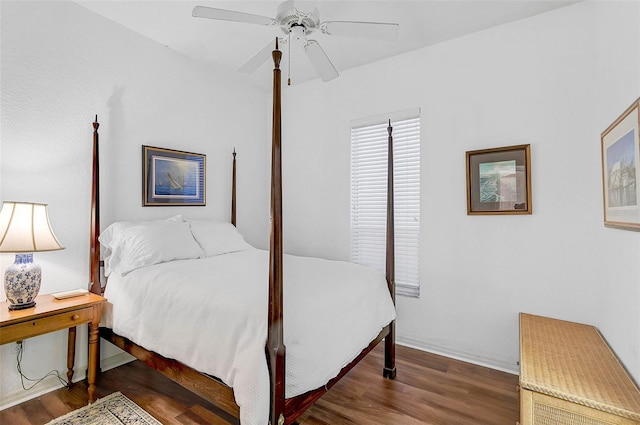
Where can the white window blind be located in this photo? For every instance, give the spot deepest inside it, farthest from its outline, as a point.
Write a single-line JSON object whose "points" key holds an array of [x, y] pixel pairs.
{"points": [[369, 139]]}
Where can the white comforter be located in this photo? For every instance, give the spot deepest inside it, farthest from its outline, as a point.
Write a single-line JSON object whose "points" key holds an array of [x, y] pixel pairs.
{"points": [[212, 315]]}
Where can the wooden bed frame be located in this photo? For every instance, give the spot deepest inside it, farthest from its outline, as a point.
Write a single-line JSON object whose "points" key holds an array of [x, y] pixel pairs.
{"points": [[283, 410]]}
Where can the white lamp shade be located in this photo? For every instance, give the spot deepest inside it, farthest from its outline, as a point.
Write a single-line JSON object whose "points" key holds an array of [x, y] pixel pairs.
{"points": [[25, 227]]}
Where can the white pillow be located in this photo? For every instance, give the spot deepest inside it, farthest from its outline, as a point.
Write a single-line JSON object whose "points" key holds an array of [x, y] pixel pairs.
{"points": [[144, 245], [114, 230], [111, 232], [217, 237]]}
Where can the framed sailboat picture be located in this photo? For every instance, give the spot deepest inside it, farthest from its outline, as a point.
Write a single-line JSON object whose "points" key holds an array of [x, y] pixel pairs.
{"points": [[171, 177]]}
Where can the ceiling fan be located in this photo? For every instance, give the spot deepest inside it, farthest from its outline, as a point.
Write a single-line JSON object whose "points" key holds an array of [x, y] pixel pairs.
{"points": [[298, 24]]}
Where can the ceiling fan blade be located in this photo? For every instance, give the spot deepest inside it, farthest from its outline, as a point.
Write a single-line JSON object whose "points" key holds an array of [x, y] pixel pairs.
{"points": [[261, 57], [320, 61], [284, 7], [375, 30], [231, 15]]}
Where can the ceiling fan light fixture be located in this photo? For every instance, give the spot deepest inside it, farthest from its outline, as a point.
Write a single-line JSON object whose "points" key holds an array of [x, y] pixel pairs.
{"points": [[298, 32]]}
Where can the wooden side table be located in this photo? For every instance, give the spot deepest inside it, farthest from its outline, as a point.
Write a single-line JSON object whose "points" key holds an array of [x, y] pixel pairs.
{"points": [[51, 314]]}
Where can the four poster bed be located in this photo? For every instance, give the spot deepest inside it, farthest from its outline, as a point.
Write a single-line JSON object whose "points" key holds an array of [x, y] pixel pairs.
{"points": [[317, 306]]}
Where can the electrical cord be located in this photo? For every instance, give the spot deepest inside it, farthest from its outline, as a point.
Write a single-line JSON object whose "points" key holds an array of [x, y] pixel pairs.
{"points": [[36, 381]]}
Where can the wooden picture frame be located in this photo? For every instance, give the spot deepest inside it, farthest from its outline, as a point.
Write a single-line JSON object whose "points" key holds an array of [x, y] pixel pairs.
{"points": [[620, 149], [499, 181], [171, 177]]}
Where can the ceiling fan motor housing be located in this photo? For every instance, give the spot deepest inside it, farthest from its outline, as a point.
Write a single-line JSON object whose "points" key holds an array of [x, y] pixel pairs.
{"points": [[289, 17]]}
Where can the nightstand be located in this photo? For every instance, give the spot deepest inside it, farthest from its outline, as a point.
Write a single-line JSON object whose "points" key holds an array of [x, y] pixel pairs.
{"points": [[51, 314]]}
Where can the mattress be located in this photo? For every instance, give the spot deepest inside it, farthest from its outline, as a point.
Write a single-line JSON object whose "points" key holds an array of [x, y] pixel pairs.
{"points": [[211, 314]]}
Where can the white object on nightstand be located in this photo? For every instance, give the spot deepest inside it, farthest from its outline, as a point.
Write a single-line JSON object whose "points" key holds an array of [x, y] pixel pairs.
{"points": [[70, 294]]}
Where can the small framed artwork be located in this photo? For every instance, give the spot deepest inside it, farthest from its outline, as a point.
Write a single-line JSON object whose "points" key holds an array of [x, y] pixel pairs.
{"points": [[620, 163], [499, 181], [171, 177]]}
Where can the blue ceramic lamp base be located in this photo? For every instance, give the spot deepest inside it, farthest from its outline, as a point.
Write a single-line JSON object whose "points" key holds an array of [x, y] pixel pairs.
{"points": [[22, 282]]}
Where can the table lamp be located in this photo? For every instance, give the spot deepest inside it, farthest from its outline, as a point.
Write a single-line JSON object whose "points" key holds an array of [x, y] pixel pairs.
{"points": [[24, 229]]}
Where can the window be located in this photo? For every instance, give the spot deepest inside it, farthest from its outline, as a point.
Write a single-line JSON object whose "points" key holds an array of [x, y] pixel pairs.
{"points": [[369, 139]]}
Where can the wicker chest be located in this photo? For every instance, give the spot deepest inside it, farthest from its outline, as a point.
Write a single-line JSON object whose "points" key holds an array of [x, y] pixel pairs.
{"points": [[570, 376]]}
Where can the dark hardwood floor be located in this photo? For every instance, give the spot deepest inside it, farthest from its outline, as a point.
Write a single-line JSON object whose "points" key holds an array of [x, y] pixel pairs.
{"points": [[428, 389]]}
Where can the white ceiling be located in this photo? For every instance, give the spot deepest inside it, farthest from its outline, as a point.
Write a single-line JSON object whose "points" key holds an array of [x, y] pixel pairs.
{"points": [[227, 45]]}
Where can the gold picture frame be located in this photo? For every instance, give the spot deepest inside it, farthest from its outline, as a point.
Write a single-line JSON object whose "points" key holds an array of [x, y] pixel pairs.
{"points": [[499, 181], [620, 150]]}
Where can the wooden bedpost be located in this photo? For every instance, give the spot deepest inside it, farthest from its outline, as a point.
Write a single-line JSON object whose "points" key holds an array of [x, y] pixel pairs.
{"points": [[389, 341], [94, 261], [275, 339], [233, 190]]}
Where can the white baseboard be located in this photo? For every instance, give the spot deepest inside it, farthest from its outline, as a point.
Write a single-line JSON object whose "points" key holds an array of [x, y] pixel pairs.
{"points": [[491, 363], [116, 360], [48, 384], [52, 383]]}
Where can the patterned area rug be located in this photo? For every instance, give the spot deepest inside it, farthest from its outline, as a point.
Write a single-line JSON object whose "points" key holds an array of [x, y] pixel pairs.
{"points": [[114, 409]]}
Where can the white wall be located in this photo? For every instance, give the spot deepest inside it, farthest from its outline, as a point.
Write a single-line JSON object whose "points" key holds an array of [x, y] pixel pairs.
{"points": [[61, 65], [555, 81]]}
